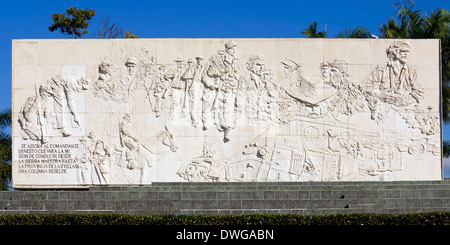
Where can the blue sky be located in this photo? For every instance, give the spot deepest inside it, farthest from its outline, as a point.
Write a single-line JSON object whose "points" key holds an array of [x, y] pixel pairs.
{"points": [[23, 19]]}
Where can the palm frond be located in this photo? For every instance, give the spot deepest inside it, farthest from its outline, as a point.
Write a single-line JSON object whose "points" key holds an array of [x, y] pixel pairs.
{"points": [[312, 32], [437, 24], [5, 118], [392, 29], [357, 32]]}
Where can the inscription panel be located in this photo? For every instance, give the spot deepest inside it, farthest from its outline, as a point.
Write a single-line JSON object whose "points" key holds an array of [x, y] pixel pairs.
{"points": [[113, 112]]}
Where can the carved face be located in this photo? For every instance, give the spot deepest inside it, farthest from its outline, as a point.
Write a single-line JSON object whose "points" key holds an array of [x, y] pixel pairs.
{"points": [[325, 72], [336, 76], [231, 51], [258, 68], [403, 55], [131, 68], [106, 68]]}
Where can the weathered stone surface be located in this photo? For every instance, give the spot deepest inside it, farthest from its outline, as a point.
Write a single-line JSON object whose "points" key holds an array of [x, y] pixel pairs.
{"points": [[121, 112]]}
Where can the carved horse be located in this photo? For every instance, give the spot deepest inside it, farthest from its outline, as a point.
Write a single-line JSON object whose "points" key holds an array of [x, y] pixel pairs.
{"points": [[165, 138], [146, 156]]}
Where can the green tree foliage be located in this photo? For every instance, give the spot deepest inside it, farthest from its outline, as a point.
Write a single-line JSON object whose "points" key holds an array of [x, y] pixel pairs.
{"points": [[446, 149], [5, 149], [74, 23], [128, 34], [312, 32], [357, 32], [5, 176]]}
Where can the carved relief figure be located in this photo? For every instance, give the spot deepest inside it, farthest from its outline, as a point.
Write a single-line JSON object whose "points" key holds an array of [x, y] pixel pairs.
{"points": [[105, 86], [187, 78], [150, 79], [130, 80], [136, 154], [298, 87], [117, 85], [395, 82], [63, 92], [130, 142], [159, 88], [270, 100], [177, 89], [348, 98], [258, 95], [141, 155], [82, 157], [212, 81], [293, 76], [195, 92], [251, 87], [99, 153], [228, 89], [35, 117]]}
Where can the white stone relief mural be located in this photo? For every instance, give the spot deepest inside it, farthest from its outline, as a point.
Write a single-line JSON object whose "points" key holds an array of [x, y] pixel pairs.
{"points": [[140, 115]]}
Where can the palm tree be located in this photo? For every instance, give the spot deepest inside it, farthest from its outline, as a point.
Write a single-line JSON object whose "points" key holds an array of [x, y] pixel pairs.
{"points": [[5, 149], [446, 149], [311, 31], [357, 32], [391, 29]]}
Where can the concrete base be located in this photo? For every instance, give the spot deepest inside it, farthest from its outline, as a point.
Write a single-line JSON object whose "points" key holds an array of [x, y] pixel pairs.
{"points": [[235, 198]]}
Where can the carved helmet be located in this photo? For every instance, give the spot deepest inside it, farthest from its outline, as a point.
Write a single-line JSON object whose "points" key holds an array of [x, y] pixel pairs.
{"points": [[132, 60]]}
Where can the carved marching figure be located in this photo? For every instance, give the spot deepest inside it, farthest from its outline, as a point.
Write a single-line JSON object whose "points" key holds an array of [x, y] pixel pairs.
{"points": [[177, 89], [82, 157], [150, 76], [228, 89], [212, 81], [188, 79], [195, 92], [159, 87]]}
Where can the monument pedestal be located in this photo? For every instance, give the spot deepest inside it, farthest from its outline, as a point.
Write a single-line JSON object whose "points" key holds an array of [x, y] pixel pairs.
{"points": [[314, 198]]}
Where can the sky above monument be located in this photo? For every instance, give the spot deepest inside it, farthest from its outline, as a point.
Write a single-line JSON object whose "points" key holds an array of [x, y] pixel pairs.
{"points": [[26, 19]]}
